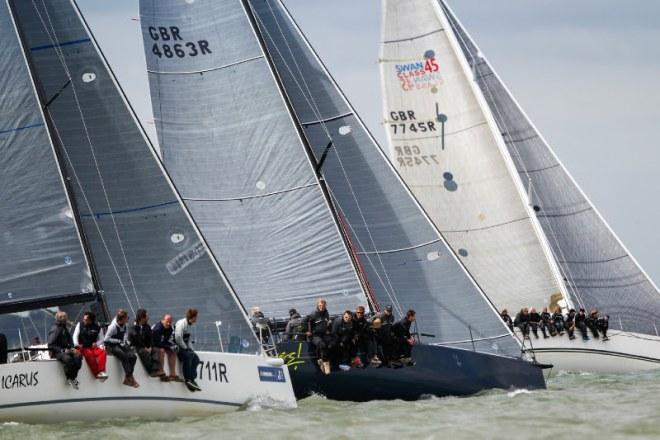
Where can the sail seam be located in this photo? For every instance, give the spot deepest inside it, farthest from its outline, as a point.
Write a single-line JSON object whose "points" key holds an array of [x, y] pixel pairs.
{"points": [[25, 127], [256, 196], [392, 251], [211, 69], [595, 261], [415, 37], [537, 170], [329, 119], [126, 211], [57, 45], [568, 214], [485, 227]]}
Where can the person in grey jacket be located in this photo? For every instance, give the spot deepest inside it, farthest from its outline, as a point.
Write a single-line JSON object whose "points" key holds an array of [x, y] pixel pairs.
{"points": [[187, 356], [116, 343]]}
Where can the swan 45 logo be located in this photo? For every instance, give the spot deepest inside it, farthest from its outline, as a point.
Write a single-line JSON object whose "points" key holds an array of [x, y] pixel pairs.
{"points": [[423, 74]]}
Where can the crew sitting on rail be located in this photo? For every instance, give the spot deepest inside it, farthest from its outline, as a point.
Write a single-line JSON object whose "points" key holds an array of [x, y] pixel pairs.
{"points": [[404, 339], [384, 337], [140, 338], [162, 335], [558, 321], [183, 339], [504, 314], [342, 340], [364, 339], [535, 322], [569, 324], [522, 322], [547, 324], [60, 346], [260, 324], [116, 342], [598, 323], [581, 323], [295, 327], [318, 328], [88, 340]]}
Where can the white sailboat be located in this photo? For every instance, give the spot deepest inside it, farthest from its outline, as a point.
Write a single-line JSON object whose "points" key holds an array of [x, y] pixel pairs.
{"points": [[524, 228], [93, 221]]}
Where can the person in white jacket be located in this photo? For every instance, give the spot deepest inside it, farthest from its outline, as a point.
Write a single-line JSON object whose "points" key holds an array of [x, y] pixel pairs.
{"points": [[187, 356], [116, 342]]}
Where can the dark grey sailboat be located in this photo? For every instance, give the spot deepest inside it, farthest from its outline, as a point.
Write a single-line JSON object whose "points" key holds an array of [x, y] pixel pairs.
{"points": [[256, 127]]}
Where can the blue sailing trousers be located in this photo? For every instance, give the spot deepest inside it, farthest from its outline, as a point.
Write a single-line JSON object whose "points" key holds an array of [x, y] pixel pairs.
{"points": [[189, 363]]}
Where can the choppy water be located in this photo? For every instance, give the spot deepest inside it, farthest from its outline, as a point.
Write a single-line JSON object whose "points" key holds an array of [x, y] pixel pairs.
{"points": [[575, 406]]}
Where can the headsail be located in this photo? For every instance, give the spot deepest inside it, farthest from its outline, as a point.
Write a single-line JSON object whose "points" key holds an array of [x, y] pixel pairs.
{"points": [[145, 247], [405, 259], [39, 243], [446, 146], [234, 152], [597, 268]]}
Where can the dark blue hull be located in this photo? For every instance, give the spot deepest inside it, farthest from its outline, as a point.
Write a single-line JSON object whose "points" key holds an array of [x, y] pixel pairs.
{"points": [[439, 371]]}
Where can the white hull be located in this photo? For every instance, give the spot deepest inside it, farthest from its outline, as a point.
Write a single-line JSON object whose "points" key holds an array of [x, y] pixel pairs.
{"points": [[36, 392], [623, 353]]}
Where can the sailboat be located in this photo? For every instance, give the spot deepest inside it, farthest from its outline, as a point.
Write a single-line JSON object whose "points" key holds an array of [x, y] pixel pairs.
{"points": [[496, 190], [91, 220], [299, 203]]}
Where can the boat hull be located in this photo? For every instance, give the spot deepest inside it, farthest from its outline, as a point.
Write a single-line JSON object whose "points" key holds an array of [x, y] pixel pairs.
{"points": [[623, 353], [36, 391], [439, 371]]}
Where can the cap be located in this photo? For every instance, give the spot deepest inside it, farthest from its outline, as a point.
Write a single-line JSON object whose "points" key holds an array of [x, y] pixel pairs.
{"points": [[388, 308], [292, 312]]}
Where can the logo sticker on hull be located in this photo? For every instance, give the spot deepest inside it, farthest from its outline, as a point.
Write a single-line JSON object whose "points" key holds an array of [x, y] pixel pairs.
{"points": [[271, 374]]}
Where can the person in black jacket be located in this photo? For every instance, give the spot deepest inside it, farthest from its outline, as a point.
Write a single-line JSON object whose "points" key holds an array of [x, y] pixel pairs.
{"points": [[162, 336], [504, 314], [88, 340], [581, 324], [140, 338], [403, 337], [535, 323], [522, 322], [385, 343], [558, 321], [60, 346], [342, 338], [318, 329], [604, 325], [364, 339], [569, 324]]}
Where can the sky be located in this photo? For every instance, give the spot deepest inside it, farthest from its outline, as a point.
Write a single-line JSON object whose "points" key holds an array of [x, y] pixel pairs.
{"points": [[586, 72]]}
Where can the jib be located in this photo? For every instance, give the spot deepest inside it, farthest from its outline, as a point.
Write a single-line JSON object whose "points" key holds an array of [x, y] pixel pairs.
{"points": [[164, 33], [408, 115]]}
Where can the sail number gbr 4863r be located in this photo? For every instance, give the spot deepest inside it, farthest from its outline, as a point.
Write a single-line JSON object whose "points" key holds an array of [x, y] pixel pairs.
{"points": [[169, 43]]}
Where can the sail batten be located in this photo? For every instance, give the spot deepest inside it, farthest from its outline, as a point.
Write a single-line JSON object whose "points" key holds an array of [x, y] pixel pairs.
{"points": [[589, 254]]}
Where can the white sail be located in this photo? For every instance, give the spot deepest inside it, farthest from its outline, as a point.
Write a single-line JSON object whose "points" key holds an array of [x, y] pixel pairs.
{"points": [[446, 146]]}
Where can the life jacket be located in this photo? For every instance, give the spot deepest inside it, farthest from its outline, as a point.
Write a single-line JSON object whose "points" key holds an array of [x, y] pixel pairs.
{"points": [[319, 322], [88, 335]]}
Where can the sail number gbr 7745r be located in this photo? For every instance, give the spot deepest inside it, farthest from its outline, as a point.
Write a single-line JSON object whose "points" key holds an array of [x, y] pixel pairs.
{"points": [[169, 43]]}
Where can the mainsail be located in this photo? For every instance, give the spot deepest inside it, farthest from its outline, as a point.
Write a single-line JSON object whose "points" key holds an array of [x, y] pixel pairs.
{"points": [[145, 248], [228, 140], [447, 148], [597, 269], [398, 253], [39, 241]]}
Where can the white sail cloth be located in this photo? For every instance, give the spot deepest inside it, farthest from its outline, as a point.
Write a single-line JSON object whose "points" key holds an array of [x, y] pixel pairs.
{"points": [[445, 145]]}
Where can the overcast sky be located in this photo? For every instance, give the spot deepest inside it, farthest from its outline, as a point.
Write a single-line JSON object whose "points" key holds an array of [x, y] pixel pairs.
{"points": [[587, 72]]}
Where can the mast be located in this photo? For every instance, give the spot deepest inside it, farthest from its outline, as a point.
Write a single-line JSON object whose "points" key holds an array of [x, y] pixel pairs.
{"points": [[317, 164], [44, 102]]}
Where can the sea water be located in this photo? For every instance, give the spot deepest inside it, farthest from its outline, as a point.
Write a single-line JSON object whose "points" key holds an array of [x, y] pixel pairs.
{"points": [[575, 406]]}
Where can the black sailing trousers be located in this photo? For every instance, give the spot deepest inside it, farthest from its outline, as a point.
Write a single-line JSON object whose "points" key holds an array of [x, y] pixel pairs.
{"points": [[72, 361], [189, 363], [125, 355]]}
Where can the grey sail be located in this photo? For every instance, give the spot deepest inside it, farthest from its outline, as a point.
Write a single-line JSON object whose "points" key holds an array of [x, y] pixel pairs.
{"points": [[145, 248], [406, 260], [39, 242], [597, 269], [234, 153]]}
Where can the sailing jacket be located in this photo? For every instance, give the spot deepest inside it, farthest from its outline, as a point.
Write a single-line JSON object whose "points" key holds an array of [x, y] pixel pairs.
{"points": [[59, 338], [182, 334], [402, 328], [116, 334], [319, 322], [294, 327], [140, 336], [162, 337], [86, 335], [342, 331]]}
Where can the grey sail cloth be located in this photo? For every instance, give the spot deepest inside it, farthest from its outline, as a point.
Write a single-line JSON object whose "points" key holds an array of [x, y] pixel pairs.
{"points": [[145, 248], [598, 271], [39, 243], [405, 259], [234, 153]]}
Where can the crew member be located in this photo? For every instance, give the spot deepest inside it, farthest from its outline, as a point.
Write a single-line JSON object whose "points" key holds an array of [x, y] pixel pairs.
{"points": [[318, 328], [60, 346], [404, 339], [384, 337], [535, 323], [140, 338], [546, 323], [581, 324], [522, 322], [569, 324], [558, 321], [116, 341], [295, 328], [504, 314], [604, 325], [342, 338], [187, 356], [363, 337], [162, 335], [88, 340]]}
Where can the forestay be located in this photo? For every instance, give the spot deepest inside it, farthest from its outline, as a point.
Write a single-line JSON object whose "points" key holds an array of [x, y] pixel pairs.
{"points": [[145, 248], [597, 269], [446, 149], [233, 150], [39, 243], [406, 261]]}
